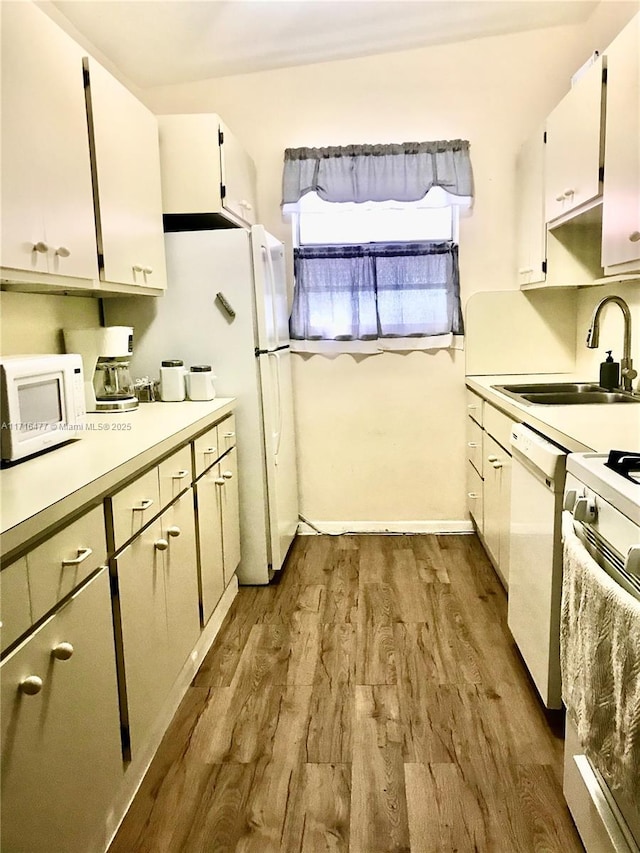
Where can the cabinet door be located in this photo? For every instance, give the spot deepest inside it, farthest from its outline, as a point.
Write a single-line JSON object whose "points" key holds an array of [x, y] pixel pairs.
{"points": [[621, 196], [181, 581], [573, 152], [145, 639], [61, 750], [124, 136], [531, 229], [209, 512], [230, 515], [238, 178], [47, 196], [493, 461]]}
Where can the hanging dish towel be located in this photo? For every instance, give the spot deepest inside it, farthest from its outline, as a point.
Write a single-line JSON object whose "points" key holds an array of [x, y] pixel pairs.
{"points": [[600, 664]]}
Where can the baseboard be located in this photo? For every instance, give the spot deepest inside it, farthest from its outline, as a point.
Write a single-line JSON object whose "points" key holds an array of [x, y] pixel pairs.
{"points": [[137, 770], [333, 528]]}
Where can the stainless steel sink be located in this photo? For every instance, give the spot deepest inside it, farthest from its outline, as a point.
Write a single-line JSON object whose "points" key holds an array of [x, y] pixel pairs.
{"points": [[565, 394]]}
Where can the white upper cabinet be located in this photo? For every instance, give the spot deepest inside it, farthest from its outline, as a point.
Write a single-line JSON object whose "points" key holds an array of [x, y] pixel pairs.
{"points": [[206, 174], [574, 150], [47, 198], [621, 196], [126, 161], [530, 222]]}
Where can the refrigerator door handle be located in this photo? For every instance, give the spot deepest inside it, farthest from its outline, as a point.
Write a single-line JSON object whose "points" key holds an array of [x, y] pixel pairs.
{"points": [[271, 277], [278, 435]]}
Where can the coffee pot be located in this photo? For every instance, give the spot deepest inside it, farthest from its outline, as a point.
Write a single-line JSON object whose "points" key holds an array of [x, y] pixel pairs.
{"points": [[106, 355]]}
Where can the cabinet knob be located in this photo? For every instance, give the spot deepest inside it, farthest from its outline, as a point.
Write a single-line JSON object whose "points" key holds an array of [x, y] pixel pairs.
{"points": [[559, 198], [525, 271], [174, 531], [161, 544], [145, 504], [492, 458], [63, 252], [137, 268], [472, 444], [228, 475], [209, 450], [40, 247], [62, 651], [568, 193], [497, 464], [634, 236], [31, 685], [472, 495], [229, 435], [147, 270], [219, 481], [179, 475]]}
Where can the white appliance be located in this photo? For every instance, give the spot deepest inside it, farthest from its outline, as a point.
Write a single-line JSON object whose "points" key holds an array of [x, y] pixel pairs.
{"points": [[535, 557], [226, 305], [105, 352], [605, 505], [42, 403]]}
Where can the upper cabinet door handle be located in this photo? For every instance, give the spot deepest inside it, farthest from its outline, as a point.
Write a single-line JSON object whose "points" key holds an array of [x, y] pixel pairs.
{"points": [[83, 553], [63, 252], [568, 193], [40, 247]]}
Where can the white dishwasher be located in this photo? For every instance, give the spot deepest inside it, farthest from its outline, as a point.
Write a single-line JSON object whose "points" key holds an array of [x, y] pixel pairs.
{"points": [[535, 572]]}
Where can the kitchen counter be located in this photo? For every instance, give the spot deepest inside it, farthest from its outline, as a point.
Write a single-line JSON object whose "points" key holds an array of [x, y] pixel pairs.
{"points": [[577, 428], [36, 494]]}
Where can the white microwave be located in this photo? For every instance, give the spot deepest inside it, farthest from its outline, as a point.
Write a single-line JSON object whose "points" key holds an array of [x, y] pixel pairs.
{"points": [[42, 400]]}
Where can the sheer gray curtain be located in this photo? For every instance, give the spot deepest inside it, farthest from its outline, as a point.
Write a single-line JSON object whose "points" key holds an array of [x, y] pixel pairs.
{"points": [[376, 292], [357, 173]]}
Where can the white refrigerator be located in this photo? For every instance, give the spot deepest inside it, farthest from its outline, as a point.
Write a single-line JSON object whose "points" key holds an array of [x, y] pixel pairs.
{"points": [[226, 305]]}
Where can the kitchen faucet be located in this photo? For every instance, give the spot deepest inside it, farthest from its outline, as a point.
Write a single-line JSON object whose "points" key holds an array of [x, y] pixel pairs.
{"points": [[628, 374]]}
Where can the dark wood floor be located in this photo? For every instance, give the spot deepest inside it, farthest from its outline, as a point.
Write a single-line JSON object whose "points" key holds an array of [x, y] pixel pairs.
{"points": [[373, 702]]}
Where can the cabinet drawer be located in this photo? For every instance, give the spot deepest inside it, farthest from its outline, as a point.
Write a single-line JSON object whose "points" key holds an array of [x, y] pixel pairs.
{"points": [[227, 434], [62, 562], [15, 608], [474, 496], [475, 406], [474, 444], [498, 426], [134, 506], [175, 475], [206, 451]]}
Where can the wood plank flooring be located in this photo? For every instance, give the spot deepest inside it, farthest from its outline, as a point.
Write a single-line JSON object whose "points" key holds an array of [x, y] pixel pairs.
{"points": [[372, 701]]}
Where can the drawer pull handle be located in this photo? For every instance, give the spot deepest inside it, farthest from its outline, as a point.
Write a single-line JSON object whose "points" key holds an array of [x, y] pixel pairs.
{"points": [[62, 651], [161, 544], [31, 685], [472, 406], [472, 495], [174, 531], [83, 553], [233, 435], [492, 458], [179, 475], [209, 450], [145, 504], [472, 444], [228, 475], [219, 481], [497, 464]]}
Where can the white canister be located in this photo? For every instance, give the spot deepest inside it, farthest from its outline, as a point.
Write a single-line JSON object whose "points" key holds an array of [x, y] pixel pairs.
{"points": [[200, 382], [172, 388]]}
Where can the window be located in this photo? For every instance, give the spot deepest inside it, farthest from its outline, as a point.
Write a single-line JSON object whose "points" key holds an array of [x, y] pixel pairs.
{"points": [[371, 272]]}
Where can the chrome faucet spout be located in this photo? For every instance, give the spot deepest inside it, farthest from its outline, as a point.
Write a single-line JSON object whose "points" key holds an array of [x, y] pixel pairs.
{"points": [[628, 374]]}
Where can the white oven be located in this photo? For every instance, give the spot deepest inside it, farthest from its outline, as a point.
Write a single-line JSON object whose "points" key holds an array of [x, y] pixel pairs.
{"points": [[601, 649]]}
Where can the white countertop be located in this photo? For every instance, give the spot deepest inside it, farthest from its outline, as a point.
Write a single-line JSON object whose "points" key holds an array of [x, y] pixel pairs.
{"points": [[577, 428], [36, 493]]}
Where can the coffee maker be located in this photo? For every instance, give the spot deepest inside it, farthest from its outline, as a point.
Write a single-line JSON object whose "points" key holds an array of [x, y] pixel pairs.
{"points": [[106, 354]]}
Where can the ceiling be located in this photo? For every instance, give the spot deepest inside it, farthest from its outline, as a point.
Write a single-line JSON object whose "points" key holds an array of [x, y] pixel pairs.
{"points": [[158, 42]]}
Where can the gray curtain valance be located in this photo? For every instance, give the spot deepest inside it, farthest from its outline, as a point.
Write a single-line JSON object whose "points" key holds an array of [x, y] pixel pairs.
{"points": [[358, 173]]}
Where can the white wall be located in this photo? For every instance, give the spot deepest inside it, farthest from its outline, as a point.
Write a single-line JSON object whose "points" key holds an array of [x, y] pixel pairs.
{"points": [[381, 439], [611, 328]]}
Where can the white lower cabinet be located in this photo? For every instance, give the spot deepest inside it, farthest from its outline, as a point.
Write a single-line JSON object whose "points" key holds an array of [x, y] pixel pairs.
{"points": [[158, 605], [209, 510], [61, 748]]}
